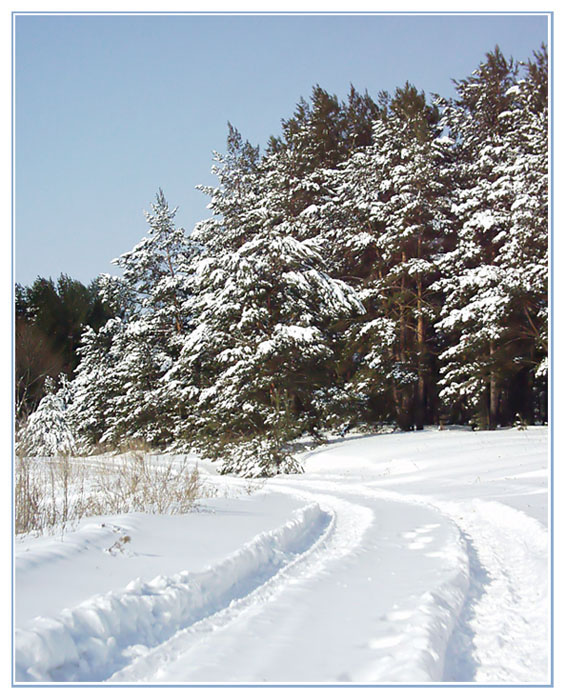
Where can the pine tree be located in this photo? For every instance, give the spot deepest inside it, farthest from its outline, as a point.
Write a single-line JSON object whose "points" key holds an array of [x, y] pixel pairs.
{"points": [[263, 343], [488, 316], [259, 356], [523, 256], [96, 385], [385, 223], [49, 431], [139, 350]]}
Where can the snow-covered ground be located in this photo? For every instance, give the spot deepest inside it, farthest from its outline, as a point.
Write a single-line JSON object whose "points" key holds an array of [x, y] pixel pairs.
{"points": [[401, 558]]}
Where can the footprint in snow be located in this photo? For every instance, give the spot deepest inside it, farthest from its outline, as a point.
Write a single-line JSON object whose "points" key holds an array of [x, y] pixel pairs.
{"points": [[420, 543], [419, 536], [396, 615], [385, 642]]}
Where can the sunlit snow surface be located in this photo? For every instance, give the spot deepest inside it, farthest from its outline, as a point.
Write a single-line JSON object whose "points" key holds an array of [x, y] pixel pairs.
{"points": [[402, 558]]}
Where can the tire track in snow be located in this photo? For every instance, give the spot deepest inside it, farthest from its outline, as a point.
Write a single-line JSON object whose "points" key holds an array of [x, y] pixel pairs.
{"points": [[420, 645], [502, 633], [497, 611], [205, 639], [93, 640], [416, 654]]}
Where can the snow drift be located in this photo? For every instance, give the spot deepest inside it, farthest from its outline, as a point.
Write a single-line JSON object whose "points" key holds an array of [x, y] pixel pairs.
{"points": [[92, 640]]}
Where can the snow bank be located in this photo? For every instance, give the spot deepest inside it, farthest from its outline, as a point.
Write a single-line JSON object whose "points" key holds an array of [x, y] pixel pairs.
{"points": [[96, 638]]}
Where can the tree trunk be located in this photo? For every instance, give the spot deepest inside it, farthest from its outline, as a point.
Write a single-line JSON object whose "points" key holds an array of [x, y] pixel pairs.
{"points": [[421, 393], [493, 393], [405, 399]]}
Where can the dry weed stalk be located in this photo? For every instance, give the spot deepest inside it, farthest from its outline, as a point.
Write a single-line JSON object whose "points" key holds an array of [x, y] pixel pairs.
{"points": [[52, 492]]}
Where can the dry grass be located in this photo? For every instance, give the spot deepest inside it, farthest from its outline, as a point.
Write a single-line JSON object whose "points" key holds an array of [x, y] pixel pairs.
{"points": [[138, 482], [48, 492], [52, 492]]}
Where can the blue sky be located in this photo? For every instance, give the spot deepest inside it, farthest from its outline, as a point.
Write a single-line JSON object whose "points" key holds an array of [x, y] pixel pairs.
{"points": [[110, 108]]}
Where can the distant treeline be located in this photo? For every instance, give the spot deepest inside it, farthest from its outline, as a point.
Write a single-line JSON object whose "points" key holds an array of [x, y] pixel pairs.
{"points": [[50, 320]]}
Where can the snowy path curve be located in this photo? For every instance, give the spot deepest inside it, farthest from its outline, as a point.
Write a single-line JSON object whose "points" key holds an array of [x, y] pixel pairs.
{"points": [[410, 560], [400, 642], [501, 632], [91, 640]]}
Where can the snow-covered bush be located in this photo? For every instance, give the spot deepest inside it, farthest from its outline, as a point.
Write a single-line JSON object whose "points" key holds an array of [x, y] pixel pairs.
{"points": [[259, 457], [48, 431]]}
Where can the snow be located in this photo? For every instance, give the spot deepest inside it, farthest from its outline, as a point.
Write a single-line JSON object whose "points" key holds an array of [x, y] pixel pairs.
{"points": [[85, 642], [395, 558], [282, 334]]}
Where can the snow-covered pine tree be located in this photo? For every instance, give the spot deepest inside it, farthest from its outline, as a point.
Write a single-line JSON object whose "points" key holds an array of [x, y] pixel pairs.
{"points": [[263, 341], [139, 350], [320, 135], [523, 256], [49, 431], [385, 223], [491, 318], [238, 179], [260, 353], [95, 384], [297, 172]]}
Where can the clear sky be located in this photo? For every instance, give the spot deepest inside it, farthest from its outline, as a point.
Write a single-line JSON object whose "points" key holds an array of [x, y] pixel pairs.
{"points": [[110, 108]]}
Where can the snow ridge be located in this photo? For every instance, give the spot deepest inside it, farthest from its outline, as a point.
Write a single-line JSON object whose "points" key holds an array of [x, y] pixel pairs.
{"points": [[502, 633], [95, 639]]}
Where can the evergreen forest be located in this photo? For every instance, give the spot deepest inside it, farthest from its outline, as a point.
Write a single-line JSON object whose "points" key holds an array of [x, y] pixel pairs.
{"points": [[383, 261]]}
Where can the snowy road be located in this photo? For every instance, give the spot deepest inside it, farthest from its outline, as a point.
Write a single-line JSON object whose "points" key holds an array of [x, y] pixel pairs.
{"points": [[393, 559]]}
